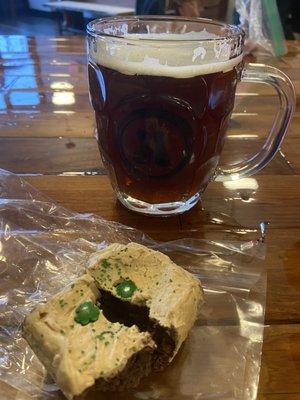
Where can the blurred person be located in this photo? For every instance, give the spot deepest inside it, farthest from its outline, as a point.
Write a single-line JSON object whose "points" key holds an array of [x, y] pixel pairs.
{"points": [[215, 9], [289, 11], [187, 8], [150, 7]]}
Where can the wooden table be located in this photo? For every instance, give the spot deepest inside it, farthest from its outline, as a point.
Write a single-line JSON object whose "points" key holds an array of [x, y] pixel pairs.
{"points": [[47, 133]]}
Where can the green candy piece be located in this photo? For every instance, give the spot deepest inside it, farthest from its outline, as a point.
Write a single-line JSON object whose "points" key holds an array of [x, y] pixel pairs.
{"points": [[86, 312], [126, 288]]}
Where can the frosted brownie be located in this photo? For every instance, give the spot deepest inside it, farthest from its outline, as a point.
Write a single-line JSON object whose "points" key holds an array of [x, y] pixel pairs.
{"points": [[143, 287], [79, 346]]}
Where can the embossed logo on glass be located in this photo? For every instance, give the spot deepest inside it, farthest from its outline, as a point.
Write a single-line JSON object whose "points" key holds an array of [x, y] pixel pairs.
{"points": [[155, 143]]}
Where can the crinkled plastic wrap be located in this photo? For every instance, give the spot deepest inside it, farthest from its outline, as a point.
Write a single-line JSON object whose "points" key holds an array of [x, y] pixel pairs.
{"points": [[44, 247], [261, 22]]}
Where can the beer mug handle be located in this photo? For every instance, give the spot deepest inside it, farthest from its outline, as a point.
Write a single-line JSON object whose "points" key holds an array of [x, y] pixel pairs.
{"points": [[261, 73]]}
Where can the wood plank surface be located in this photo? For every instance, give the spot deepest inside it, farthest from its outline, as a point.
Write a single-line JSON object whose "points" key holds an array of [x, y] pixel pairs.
{"points": [[281, 361], [49, 155], [47, 127]]}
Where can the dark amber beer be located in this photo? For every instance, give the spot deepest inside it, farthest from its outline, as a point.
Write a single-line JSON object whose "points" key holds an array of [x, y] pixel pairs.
{"points": [[160, 136], [163, 89]]}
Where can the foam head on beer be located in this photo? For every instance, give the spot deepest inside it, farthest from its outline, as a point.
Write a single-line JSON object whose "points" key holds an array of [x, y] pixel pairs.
{"points": [[177, 55]]}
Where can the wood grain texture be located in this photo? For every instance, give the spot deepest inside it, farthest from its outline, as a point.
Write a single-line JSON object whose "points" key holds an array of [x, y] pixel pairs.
{"points": [[47, 126], [280, 373], [50, 155]]}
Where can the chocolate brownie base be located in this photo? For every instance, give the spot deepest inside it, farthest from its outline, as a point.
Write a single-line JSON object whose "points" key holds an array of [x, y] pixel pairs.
{"points": [[128, 314], [138, 366]]}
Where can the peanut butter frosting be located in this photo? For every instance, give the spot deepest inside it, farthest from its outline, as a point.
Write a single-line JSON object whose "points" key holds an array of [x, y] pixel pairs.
{"points": [[141, 276], [76, 355]]}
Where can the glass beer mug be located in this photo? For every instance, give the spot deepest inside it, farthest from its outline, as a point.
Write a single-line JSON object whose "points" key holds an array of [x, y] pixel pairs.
{"points": [[163, 90]]}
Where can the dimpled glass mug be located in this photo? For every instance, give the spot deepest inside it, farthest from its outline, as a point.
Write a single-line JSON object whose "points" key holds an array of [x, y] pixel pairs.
{"points": [[163, 90]]}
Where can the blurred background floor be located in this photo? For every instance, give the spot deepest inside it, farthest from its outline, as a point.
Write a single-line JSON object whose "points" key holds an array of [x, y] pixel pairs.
{"points": [[30, 23], [52, 18]]}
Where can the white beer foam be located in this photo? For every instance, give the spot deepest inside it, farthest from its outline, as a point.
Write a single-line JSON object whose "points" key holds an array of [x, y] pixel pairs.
{"points": [[179, 56]]}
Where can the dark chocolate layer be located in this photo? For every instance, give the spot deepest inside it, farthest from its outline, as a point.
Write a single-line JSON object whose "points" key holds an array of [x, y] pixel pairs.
{"points": [[126, 313]]}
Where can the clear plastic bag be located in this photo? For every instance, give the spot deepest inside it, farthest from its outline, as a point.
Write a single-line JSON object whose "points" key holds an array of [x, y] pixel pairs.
{"points": [[261, 22], [44, 247]]}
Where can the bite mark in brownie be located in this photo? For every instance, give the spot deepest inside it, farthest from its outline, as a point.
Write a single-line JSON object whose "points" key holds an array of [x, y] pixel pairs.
{"points": [[128, 314]]}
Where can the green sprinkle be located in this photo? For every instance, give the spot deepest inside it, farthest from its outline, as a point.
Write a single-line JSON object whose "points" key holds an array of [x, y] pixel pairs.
{"points": [[105, 264], [82, 351], [72, 326], [62, 303], [102, 335], [62, 331], [72, 285], [106, 343]]}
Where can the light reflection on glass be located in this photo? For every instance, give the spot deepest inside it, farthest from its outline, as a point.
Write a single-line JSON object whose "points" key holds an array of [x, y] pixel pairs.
{"points": [[13, 43], [60, 75], [54, 62], [20, 70], [18, 73], [64, 112], [20, 82], [246, 94], [245, 183], [61, 85], [24, 98], [242, 136], [248, 200], [63, 98], [21, 77], [2, 102], [244, 114]]}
